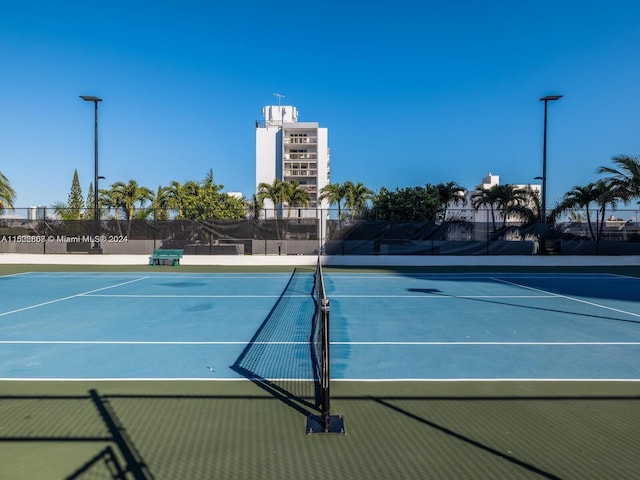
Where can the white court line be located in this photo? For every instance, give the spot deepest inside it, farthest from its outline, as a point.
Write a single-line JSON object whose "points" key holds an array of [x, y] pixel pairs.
{"points": [[173, 276], [515, 380], [70, 297], [134, 342], [468, 276], [619, 275], [593, 304], [192, 296], [489, 343], [14, 274], [363, 380], [433, 296]]}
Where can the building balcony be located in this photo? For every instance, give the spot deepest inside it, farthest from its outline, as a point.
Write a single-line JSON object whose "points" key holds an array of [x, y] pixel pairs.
{"points": [[300, 140], [300, 173], [300, 165], [300, 156]]}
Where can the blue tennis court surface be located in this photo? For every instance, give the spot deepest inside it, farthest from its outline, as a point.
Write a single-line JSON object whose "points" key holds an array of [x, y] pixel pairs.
{"points": [[383, 326]]}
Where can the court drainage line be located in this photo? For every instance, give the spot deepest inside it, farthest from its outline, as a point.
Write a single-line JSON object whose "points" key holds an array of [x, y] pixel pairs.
{"points": [[593, 304], [70, 297]]}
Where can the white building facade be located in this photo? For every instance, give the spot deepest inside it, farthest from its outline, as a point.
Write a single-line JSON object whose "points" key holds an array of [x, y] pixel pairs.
{"points": [[292, 151], [482, 214]]}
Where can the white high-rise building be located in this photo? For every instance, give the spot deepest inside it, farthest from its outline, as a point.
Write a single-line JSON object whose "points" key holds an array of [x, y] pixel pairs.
{"points": [[292, 151]]}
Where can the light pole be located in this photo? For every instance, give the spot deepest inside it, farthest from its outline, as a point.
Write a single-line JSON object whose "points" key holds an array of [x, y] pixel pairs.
{"points": [[547, 99], [96, 208]]}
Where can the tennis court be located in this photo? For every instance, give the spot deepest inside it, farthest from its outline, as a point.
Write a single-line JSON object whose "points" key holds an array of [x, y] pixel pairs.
{"points": [[438, 375]]}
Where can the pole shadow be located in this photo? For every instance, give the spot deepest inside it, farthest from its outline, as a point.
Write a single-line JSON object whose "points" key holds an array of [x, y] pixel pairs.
{"points": [[123, 463]]}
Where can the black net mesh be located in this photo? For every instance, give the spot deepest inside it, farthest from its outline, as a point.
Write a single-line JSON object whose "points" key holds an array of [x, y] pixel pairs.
{"points": [[280, 356]]}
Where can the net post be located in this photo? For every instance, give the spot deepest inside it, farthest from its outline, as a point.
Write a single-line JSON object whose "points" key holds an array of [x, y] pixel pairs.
{"points": [[324, 422], [325, 412]]}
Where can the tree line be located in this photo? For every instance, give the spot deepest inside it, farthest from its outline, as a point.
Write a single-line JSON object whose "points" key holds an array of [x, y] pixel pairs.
{"points": [[204, 200], [192, 200]]}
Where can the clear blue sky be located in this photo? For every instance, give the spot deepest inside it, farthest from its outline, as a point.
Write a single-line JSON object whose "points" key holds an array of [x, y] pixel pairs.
{"points": [[411, 92]]}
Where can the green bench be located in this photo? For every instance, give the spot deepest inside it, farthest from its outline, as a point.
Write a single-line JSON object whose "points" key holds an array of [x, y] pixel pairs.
{"points": [[162, 255]]}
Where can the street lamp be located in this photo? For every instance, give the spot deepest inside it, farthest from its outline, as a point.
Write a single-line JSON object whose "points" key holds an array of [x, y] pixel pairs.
{"points": [[547, 99], [96, 209]]}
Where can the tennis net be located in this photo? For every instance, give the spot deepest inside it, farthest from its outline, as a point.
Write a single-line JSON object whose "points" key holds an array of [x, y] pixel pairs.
{"points": [[289, 353], [277, 357]]}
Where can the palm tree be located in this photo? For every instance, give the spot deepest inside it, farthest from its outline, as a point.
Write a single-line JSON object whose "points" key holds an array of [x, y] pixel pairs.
{"points": [[131, 195], [334, 193], [489, 198], [449, 194], [209, 200], [161, 204], [510, 197], [530, 211], [272, 191], [62, 210], [576, 217], [112, 199], [174, 196], [356, 196], [254, 207], [609, 195], [624, 178], [296, 196], [581, 197], [505, 198], [275, 193], [7, 194]]}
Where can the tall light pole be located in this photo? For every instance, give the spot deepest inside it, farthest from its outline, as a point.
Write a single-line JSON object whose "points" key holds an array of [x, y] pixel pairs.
{"points": [[96, 208], [547, 99]]}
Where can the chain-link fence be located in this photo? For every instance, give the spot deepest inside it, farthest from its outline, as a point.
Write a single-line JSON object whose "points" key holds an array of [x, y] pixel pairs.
{"points": [[216, 237], [323, 234]]}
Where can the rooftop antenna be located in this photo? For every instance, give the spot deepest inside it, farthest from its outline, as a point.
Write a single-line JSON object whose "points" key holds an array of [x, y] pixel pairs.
{"points": [[280, 97]]}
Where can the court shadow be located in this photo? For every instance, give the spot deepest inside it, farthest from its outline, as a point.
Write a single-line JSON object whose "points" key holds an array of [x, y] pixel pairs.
{"points": [[103, 465], [433, 291], [76, 419], [546, 437], [211, 435], [430, 291], [554, 310], [466, 439], [182, 284]]}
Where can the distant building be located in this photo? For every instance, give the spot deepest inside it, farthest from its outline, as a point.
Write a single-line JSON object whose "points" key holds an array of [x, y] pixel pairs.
{"points": [[36, 213], [292, 151], [483, 214]]}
